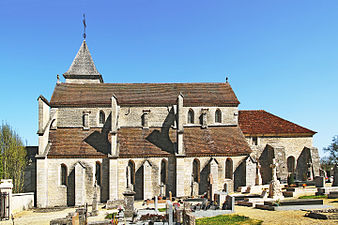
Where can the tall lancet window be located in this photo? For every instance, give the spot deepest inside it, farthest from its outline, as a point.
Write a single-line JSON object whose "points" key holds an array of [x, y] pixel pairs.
{"points": [[130, 174], [191, 116], [98, 173], [218, 116], [63, 177], [196, 170], [102, 118], [164, 172]]}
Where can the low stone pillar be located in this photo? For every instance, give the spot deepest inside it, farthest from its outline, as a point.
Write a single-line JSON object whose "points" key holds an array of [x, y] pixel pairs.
{"points": [[129, 203], [6, 187]]}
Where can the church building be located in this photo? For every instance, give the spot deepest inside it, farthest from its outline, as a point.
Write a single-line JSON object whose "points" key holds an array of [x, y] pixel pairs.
{"points": [[153, 138]]}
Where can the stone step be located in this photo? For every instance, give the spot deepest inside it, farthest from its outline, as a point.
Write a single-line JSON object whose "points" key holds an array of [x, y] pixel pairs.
{"points": [[297, 202], [265, 207], [245, 203], [288, 193]]}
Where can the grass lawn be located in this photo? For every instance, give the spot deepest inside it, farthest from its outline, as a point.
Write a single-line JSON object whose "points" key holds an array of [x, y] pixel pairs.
{"points": [[227, 219], [312, 197]]}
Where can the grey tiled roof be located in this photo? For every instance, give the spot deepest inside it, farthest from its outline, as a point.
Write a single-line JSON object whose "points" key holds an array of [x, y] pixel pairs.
{"points": [[83, 63]]}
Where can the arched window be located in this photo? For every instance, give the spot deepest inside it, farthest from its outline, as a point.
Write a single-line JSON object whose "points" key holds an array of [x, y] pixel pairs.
{"points": [[63, 175], [196, 170], [191, 116], [98, 173], [130, 173], [102, 117], [218, 116], [229, 168], [291, 164], [164, 171]]}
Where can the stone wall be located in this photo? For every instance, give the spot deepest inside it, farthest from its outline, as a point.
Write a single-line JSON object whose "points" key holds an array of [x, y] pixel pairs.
{"points": [[72, 117], [132, 116], [282, 148], [22, 201], [293, 145], [61, 195]]}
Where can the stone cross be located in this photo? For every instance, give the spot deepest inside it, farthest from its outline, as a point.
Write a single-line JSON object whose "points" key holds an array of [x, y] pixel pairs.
{"points": [[274, 169], [94, 204], [309, 164], [275, 189], [128, 177], [170, 196], [258, 175], [156, 204], [162, 190]]}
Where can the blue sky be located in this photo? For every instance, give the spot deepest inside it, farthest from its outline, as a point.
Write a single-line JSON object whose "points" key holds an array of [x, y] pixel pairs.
{"points": [[281, 56]]}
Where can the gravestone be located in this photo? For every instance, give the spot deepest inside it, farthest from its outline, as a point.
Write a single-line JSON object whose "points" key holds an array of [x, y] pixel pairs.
{"points": [[320, 181], [229, 203], [170, 212], [275, 188], [195, 188], [335, 176], [264, 194], [129, 203]]}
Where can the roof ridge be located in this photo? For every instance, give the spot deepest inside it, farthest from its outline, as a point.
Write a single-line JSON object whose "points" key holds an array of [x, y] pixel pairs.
{"points": [[79, 84]]}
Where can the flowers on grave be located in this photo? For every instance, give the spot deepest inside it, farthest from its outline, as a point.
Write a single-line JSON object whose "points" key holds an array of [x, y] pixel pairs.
{"points": [[154, 218]]}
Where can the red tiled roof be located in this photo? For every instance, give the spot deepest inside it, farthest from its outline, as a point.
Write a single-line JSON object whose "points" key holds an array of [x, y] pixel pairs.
{"points": [[76, 142], [262, 123], [215, 141], [195, 94], [138, 142]]}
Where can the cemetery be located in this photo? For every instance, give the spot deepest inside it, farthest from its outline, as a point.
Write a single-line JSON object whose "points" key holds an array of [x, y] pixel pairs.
{"points": [[189, 209]]}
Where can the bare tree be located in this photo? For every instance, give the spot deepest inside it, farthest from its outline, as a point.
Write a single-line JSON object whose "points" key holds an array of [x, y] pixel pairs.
{"points": [[12, 157]]}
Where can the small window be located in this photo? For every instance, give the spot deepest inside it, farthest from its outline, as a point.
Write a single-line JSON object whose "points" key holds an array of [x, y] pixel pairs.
{"points": [[84, 120], [218, 116], [102, 117], [63, 174], [98, 173], [191, 116], [254, 140]]}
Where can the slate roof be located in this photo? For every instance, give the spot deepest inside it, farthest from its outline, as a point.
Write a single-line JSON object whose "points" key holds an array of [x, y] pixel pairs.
{"points": [[138, 142], [262, 123], [143, 94], [82, 65]]}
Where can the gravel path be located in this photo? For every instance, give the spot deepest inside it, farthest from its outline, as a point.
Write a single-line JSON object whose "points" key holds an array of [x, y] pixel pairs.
{"points": [[269, 217], [284, 217]]}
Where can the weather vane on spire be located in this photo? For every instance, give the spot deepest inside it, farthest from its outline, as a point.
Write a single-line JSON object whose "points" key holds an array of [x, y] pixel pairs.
{"points": [[84, 26]]}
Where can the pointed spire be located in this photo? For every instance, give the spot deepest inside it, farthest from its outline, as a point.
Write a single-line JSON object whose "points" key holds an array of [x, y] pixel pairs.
{"points": [[83, 66]]}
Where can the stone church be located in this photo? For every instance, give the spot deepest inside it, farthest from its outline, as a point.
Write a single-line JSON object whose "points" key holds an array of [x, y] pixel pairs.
{"points": [[157, 137]]}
